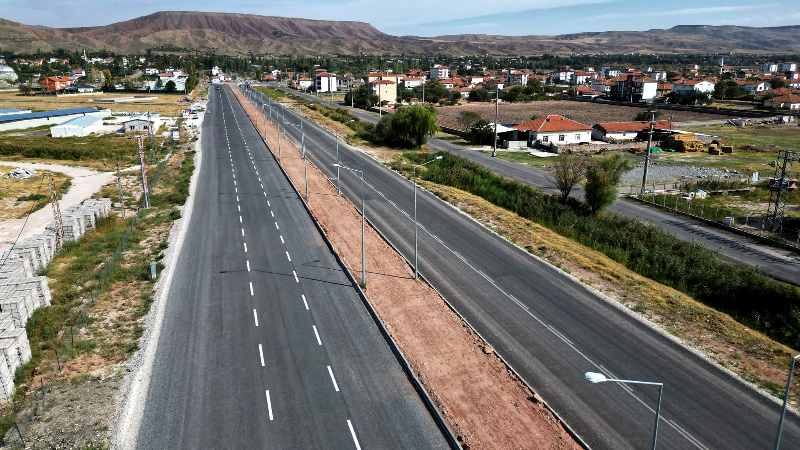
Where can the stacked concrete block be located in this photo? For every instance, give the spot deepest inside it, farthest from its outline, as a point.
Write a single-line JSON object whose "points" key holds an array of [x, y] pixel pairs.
{"points": [[73, 227], [6, 381], [85, 215], [6, 322], [17, 302], [16, 348]]}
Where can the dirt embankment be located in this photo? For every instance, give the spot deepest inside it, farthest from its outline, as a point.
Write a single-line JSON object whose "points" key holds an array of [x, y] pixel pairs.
{"points": [[486, 406]]}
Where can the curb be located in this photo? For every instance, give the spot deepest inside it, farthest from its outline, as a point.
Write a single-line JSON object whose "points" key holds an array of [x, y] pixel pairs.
{"points": [[438, 418]]}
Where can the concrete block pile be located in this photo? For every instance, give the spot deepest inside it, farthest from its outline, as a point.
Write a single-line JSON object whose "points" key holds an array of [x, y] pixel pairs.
{"points": [[23, 291]]}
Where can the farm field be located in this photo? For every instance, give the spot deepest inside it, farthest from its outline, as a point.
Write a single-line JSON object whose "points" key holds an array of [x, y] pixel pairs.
{"points": [[583, 112], [166, 105]]}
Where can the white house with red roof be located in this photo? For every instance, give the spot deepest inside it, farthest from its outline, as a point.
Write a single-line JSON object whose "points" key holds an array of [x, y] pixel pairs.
{"points": [[683, 87], [325, 82], [752, 87], [411, 82], [304, 83], [547, 130], [789, 102], [625, 131]]}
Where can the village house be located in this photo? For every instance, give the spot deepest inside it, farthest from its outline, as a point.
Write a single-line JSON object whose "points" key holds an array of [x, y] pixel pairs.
{"points": [[325, 82], [386, 90], [143, 123], [581, 77], [682, 87], [602, 85], [54, 84], [752, 87], [411, 82], [547, 131], [564, 75], [625, 131], [304, 83], [789, 102]]}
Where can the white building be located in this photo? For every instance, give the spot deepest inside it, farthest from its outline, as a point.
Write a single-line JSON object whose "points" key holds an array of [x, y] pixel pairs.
{"points": [[78, 127], [553, 129], [151, 71], [143, 123], [658, 75], [304, 83], [683, 87], [22, 121], [411, 82], [788, 67], [753, 87], [325, 82], [439, 72], [769, 67], [564, 75]]}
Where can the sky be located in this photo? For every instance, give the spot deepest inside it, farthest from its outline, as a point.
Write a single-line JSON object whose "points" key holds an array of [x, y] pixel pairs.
{"points": [[434, 18]]}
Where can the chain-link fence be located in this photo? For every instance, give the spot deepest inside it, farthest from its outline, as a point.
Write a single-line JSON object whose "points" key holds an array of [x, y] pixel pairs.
{"points": [[42, 384]]}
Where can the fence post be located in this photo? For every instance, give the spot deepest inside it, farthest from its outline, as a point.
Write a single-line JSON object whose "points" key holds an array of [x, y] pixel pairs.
{"points": [[19, 433], [58, 362], [41, 380], [72, 336]]}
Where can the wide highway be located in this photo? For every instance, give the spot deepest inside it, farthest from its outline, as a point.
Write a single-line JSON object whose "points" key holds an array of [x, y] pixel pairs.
{"points": [[265, 343], [552, 329]]}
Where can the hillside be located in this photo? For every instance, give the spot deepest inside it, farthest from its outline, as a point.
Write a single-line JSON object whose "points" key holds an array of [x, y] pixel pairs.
{"points": [[246, 33]]}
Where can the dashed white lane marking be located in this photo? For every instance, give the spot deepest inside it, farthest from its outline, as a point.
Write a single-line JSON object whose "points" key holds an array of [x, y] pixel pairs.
{"points": [[240, 219], [261, 354], [268, 203], [265, 194], [287, 255], [255, 316], [251, 288], [236, 190], [319, 341], [240, 208], [276, 226], [269, 407], [272, 214], [304, 300], [335, 386], [242, 231], [245, 247], [248, 266], [237, 198], [234, 181], [295, 276], [282, 240], [262, 186], [350, 425]]}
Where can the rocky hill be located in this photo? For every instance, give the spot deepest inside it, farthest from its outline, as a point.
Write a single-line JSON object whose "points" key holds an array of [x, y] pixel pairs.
{"points": [[246, 33]]}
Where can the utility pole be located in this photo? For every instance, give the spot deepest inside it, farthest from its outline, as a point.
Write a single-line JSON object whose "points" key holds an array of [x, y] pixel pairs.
{"points": [[121, 198], [338, 182], [305, 161], [145, 190], [56, 213], [647, 152], [496, 115]]}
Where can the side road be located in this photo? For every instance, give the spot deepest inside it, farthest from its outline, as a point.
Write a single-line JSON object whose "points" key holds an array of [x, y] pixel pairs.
{"points": [[783, 265]]}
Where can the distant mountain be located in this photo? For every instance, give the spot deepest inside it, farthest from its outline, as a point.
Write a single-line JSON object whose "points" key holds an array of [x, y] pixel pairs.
{"points": [[245, 33]]}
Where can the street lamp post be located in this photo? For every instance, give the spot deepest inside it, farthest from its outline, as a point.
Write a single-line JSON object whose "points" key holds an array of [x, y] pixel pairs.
{"points": [[305, 161], [496, 115], [363, 216], [647, 152], [785, 401], [594, 377], [338, 181], [416, 265]]}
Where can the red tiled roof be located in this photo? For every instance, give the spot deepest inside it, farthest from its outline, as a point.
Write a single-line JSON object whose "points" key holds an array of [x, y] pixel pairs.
{"points": [[618, 127], [382, 82], [551, 123], [325, 74], [790, 98]]}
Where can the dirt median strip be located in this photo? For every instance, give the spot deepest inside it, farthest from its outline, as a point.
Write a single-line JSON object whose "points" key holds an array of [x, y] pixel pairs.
{"points": [[485, 405]]}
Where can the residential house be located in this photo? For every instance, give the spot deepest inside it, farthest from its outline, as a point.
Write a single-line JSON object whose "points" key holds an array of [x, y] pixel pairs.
{"points": [[151, 71], [625, 131], [794, 84], [493, 84], [411, 82], [769, 67], [463, 91], [609, 72], [475, 80], [602, 85], [173, 75], [517, 77], [792, 75], [325, 82], [663, 89], [693, 68], [564, 75], [81, 88], [581, 77], [304, 83], [439, 72], [634, 88], [215, 71], [142, 123], [789, 102], [386, 90], [788, 67], [585, 91], [54, 84], [77, 73], [752, 87], [552, 130], [683, 87], [658, 75], [142, 60]]}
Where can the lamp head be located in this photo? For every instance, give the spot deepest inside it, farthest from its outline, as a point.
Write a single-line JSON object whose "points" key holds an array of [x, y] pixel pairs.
{"points": [[439, 157], [594, 377]]}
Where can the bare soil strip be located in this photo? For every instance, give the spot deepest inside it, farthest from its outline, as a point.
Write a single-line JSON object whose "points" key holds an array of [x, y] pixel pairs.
{"points": [[485, 405]]}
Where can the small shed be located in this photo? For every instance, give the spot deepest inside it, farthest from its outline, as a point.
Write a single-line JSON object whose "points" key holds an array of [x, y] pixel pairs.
{"points": [[142, 123], [79, 126]]}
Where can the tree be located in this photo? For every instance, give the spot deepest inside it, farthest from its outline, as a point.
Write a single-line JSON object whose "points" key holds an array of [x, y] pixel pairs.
{"points": [[777, 83], [192, 81], [467, 119], [408, 126], [602, 178], [697, 98], [568, 171], [24, 88], [479, 95], [108, 81], [129, 85], [644, 116], [481, 133], [170, 86], [159, 83]]}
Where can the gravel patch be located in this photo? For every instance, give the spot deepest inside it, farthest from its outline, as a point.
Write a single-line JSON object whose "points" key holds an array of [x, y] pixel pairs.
{"points": [[661, 174]]}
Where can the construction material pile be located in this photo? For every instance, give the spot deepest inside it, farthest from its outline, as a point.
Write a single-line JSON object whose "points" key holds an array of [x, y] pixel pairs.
{"points": [[718, 149], [21, 173], [684, 143], [22, 292]]}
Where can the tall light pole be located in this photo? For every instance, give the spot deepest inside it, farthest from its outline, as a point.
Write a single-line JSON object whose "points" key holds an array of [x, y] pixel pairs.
{"points": [[303, 145], [338, 181], [647, 152], [363, 215], [594, 377], [416, 266], [496, 115], [785, 401]]}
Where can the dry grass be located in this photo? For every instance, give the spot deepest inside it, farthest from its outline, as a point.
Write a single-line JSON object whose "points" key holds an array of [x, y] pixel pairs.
{"points": [[166, 105], [11, 189], [750, 354]]}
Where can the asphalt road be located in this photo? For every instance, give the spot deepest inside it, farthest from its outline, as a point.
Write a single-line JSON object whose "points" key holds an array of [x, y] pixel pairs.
{"points": [[778, 263], [552, 330], [265, 343]]}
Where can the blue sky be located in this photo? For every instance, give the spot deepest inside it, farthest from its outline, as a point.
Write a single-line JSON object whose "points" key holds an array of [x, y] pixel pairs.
{"points": [[431, 18]]}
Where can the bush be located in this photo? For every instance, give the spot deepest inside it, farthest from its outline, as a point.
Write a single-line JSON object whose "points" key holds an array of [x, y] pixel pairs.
{"points": [[743, 292], [481, 133]]}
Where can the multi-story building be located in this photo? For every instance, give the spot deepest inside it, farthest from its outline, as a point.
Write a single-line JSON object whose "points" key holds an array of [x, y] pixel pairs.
{"points": [[325, 82], [634, 88], [439, 72]]}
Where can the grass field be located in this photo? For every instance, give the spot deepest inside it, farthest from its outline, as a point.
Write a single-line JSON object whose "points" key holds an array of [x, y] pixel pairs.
{"points": [[99, 152], [756, 137], [18, 197], [166, 105]]}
